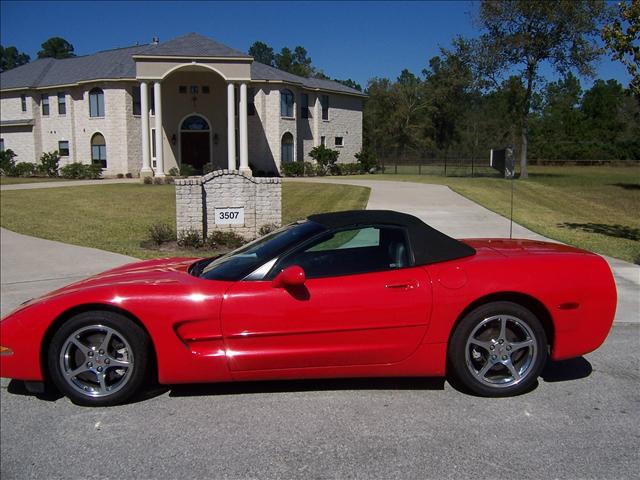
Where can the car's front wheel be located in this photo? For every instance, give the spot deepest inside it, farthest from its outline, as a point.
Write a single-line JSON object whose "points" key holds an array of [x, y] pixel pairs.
{"points": [[498, 349], [99, 358]]}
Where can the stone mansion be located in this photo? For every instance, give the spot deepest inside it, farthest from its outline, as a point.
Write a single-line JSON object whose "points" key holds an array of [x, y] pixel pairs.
{"points": [[147, 109]]}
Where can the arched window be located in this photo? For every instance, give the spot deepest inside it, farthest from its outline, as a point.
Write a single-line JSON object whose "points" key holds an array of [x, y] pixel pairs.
{"points": [[96, 103], [194, 122], [286, 150], [99, 150], [286, 103]]}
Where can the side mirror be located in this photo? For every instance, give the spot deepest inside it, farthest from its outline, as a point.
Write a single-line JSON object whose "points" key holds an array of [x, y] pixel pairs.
{"points": [[292, 276]]}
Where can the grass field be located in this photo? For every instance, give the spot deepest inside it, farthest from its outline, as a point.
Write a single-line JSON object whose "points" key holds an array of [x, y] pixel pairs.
{"points": [[596, 208], [17, 180], [116, 217]]}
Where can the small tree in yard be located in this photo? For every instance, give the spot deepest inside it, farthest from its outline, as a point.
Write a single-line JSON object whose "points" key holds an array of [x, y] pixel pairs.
{"points": [[326, 157], [7, 162], [366, 160], [49, 164]]}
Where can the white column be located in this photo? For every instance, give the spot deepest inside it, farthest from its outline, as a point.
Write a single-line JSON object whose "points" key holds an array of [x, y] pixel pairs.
{"points": [[316, 121], [231, 127], [244, 139], [157, 98], [144, 117]]}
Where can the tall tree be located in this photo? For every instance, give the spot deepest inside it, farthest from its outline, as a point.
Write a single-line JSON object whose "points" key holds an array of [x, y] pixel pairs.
{"points": [[261, 52], [349, 83], [624, 41], [522, 35], [56, 47], [11, 58], [297, 61]]}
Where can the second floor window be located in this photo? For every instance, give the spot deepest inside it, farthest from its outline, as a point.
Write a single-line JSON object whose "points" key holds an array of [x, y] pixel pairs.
{"points": [[304, 109], [23, 102], [45, 104], [324, 101], [96, 103], [62, 103], [286, 103], [135, 97]]}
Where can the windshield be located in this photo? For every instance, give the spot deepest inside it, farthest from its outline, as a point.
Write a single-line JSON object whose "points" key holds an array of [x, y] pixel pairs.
{"points": [[241, 262]]}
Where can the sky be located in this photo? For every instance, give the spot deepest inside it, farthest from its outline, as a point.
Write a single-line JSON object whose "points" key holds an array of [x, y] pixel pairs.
{"points": [[358, 40]]}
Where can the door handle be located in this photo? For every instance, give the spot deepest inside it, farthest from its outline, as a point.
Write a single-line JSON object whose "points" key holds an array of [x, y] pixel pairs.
{"points": [[402, 286]]}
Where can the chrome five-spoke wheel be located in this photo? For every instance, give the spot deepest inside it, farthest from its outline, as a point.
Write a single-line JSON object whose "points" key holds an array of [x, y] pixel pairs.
{"points": [[99, 358], [498, 349]]}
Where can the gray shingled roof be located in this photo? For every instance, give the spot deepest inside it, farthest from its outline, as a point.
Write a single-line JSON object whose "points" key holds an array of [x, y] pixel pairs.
{"points": [[192, 45], [119, 64]]}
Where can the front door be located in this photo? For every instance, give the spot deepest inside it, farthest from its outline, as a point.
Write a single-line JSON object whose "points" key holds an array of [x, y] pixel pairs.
{"points": [[195, 149], [374, 310]]}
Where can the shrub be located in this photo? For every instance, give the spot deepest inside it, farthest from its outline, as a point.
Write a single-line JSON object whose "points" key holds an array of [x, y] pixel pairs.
{"points": [[225, 238], [147, 180], [120, 175], [186, 170], [321, 170], [78, 170], [267, 229], [292, 169], [190, 239], [309, 169], [208, 168], [24, 169], [161, 233], [128, 175], [174, 172], [158, 180], [7, 163], [366, 160], [169, 180], [350, 168], [324, 156], [49, 163]]}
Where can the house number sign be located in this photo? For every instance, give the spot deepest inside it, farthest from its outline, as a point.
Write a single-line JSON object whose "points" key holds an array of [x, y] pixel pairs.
{"points": [[229, 216]]}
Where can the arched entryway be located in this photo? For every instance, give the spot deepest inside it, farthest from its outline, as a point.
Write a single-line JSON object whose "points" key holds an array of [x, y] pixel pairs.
{"points": [[195, 142]]}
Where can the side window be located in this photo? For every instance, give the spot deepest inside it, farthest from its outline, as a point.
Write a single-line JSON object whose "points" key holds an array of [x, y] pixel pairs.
{"points": [[350, 252]]}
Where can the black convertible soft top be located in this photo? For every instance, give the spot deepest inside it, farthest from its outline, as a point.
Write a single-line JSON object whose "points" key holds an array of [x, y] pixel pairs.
{"points": [[428, 244]]}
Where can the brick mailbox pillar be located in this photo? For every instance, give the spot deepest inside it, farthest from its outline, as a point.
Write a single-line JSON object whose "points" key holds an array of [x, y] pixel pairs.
{"points": [[228, 200]]}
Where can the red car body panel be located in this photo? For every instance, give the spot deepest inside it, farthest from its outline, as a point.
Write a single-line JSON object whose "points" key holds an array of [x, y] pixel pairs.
{"points": [[393, 323]]}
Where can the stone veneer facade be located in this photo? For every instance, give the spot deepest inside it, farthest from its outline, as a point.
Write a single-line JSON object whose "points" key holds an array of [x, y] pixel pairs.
{"points": [[198, 197]]}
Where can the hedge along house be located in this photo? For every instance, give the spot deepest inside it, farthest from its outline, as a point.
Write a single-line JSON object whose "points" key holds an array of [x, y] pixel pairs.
{"points": [[150, 108]]}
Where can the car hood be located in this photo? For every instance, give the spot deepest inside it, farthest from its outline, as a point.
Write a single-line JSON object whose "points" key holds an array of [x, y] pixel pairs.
{"points": [[521, 247], [147, 272]]}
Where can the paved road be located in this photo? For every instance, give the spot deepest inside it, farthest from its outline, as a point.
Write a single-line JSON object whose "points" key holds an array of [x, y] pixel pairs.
{"points": [[581, 421]]}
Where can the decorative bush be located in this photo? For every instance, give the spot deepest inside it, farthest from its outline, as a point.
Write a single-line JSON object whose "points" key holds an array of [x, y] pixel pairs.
{"points": [[120, 175], [229, 239], [190, 239], [158, 180], [267, 229], [161, 233], [7, 162], [208, 168], [78, 170], [169, 180], [174, 172], [186, 170], [366, 160], [128, 175], [309, 169], [292, 169], [350, 168], [24, 169], [147, 180], [324, 156], [49, 163]]}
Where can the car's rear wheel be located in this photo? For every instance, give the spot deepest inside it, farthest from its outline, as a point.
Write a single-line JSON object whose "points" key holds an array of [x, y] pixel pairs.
{"points": [[498, 349], [99, 358]]}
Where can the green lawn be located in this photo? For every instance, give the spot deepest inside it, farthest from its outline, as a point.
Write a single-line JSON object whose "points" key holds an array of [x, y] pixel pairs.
{"points": [[595, 208], [116, 217], [16, 180]]}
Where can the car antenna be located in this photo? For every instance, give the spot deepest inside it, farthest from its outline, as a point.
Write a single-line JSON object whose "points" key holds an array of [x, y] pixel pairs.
{"points": [[510, 173]]}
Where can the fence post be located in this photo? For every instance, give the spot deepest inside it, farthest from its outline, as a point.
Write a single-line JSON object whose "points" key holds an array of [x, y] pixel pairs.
{"points": [[395, 168], [419, 169]]}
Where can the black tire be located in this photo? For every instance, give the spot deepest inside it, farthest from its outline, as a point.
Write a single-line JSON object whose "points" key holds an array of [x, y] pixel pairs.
{"points": [[99, 358], [497, 350]]}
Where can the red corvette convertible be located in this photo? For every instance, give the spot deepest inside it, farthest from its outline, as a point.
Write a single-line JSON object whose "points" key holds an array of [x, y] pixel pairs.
{"points": [[347, 294]]}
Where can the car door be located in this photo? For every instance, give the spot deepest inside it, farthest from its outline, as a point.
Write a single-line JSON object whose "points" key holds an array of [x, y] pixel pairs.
{"points": [[362, 303]]}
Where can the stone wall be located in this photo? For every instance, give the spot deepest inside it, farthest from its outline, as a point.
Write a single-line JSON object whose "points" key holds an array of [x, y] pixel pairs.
{"points": [[198, 197]]}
